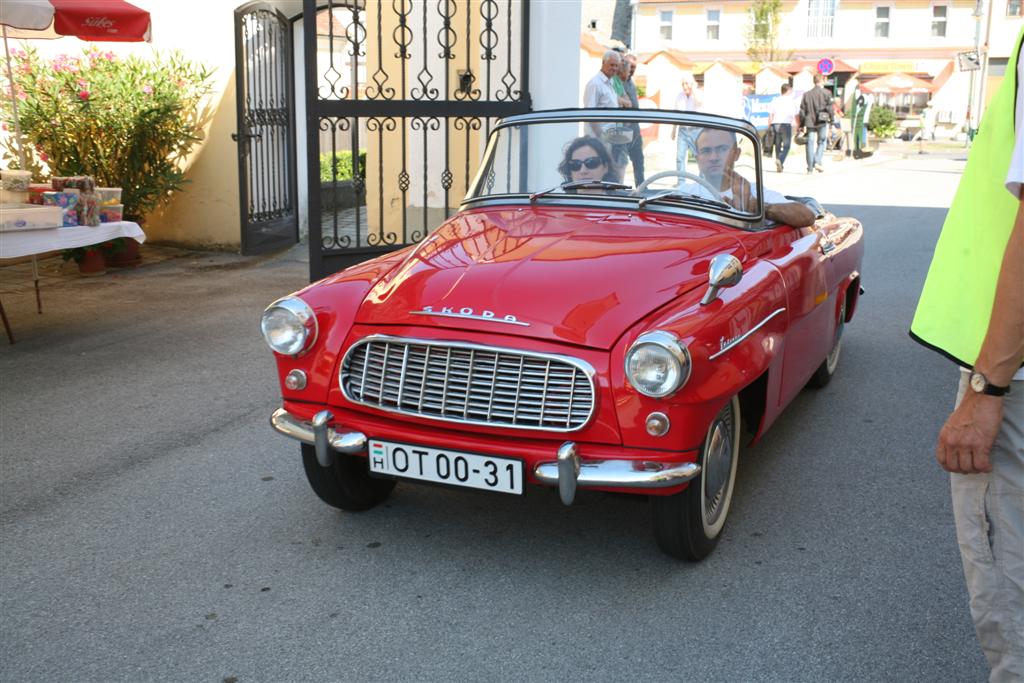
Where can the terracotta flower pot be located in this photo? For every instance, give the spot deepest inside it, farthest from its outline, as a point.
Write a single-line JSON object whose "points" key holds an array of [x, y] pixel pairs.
{"points": [[92, 263], [127, 257]]}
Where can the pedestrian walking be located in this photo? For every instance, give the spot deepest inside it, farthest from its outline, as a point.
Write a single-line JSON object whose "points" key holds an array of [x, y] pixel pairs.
{"points": [[972, 311], [816, 117], [636, 148], [781, 117], [690, 98]]}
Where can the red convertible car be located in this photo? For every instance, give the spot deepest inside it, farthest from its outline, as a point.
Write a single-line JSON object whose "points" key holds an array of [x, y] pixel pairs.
{"points": [[581, 323]]}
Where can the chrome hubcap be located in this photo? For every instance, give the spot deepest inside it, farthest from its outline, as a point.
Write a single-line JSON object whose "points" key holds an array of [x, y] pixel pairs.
{"points": [[717, 468]]}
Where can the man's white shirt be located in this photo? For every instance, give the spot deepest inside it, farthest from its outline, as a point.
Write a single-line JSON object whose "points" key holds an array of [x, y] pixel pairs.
{"points": [[783, 109], [698, 190], [600, 93]]}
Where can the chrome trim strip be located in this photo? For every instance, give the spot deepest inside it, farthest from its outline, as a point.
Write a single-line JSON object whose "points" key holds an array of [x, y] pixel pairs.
{"points": [[287, 424], [492, 319], [621, 473], [742, 337], [586, 368]]}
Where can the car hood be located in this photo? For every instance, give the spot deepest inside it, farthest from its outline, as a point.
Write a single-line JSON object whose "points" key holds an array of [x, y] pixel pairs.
{"points": [[579, 276]]}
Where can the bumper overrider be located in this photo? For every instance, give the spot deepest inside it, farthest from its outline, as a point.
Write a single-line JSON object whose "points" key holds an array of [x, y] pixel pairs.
{"points": [[568, 471]]}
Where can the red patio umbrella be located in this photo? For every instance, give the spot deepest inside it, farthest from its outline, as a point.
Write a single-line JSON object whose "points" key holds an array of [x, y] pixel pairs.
{"points": [[98, 20]]}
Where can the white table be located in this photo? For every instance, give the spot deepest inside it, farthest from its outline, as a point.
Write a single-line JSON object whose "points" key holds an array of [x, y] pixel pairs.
{"points": [[18, 243]]}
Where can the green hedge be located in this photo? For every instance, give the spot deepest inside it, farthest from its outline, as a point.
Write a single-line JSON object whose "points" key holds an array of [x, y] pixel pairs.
{"points": [[342, 164]]}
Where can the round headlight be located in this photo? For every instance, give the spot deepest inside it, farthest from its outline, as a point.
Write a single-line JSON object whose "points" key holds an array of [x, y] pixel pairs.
{"points": [[657, 364], [289, 326]]}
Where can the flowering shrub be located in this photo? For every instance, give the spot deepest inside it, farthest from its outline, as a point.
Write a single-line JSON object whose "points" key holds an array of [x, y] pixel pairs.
{"points": [[129, 123]]}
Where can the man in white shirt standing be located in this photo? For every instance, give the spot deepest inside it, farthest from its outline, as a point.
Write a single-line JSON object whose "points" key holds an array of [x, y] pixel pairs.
{"points": [[781, 117], [599, 92], [690, 99]]}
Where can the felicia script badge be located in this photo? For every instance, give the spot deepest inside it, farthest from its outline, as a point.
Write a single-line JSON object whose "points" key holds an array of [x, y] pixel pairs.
{"points": [[467, 312]]}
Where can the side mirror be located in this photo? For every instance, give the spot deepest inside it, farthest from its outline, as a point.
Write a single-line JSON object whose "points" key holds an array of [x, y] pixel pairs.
{"points": [[725, 271]]}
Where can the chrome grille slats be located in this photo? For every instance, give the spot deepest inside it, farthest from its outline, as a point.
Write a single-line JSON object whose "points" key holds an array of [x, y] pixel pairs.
{"points": [[469, 383]]}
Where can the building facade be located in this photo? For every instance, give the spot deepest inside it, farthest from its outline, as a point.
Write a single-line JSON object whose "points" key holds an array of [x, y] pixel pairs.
{"points": [[925, 39]]}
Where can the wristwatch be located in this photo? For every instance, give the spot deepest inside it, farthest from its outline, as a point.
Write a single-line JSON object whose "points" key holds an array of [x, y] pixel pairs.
{"points": [[980, 385]]}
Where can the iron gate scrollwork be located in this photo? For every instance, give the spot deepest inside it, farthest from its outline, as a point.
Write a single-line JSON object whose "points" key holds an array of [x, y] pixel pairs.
{"points": [[264, 82], [400, 96]]}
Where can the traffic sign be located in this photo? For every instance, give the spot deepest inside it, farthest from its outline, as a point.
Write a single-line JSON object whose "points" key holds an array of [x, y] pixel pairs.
{"points": [[825, 66], [969, 61]]}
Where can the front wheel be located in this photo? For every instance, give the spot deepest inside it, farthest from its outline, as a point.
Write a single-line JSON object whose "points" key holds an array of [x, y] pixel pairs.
{"points": [[346, 484], [687, 525]]}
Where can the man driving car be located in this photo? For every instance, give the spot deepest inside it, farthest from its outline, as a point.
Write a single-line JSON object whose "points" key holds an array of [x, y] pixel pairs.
{"points": [[717, 153]]}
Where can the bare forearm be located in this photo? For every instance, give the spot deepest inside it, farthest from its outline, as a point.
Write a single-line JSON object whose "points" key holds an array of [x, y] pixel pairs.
{"points": [[791, 213], [1003, 349]]}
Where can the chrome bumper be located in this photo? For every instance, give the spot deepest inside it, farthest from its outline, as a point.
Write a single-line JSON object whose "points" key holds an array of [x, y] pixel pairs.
{"points": [[318, 434], [568, 472]]}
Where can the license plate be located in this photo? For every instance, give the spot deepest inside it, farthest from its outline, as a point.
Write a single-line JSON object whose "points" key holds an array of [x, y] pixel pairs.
{"points": [[471, 470]]}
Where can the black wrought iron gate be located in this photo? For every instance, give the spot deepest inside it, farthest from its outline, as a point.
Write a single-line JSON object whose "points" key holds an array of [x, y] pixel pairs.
{"points": [[400, 96], [264, 83]]}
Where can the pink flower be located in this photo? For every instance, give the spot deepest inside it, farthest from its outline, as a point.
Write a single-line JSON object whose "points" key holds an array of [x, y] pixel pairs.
{"points": [[83, 95], [4, 127], [110, 56], [148, 89], [83, 84], [22, 95]]}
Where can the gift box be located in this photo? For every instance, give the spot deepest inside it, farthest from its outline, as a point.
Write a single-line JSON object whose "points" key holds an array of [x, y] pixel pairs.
{"points": [[68, 203], [29, 217], [35, 192], [85, 183], [111, 213]]}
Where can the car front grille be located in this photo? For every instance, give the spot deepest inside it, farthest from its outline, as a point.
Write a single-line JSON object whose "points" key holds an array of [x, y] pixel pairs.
{"points": [[469, 384]]}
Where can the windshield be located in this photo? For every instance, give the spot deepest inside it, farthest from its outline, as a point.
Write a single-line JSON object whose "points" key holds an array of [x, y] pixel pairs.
{"points": [[660, 161]]}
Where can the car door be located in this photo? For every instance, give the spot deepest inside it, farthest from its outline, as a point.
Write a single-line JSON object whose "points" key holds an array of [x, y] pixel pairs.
{"points": [[805, 265]]}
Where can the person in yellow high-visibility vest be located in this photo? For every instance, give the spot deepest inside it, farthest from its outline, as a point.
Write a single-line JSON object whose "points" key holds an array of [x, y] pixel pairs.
{"points": [[972, 311]]}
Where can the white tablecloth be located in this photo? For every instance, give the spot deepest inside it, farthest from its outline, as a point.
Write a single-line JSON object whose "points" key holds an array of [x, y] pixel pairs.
{"points": [[16, 243]]}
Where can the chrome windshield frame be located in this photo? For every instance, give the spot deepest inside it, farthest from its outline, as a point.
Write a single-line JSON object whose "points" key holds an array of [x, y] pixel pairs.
{"points": [[473, 199]]}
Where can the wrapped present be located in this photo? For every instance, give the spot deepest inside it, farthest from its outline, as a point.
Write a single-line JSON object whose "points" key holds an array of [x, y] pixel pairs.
{"points": [[35, 192], [70, 217], [65, 199], [85, 183], [89, 209]]}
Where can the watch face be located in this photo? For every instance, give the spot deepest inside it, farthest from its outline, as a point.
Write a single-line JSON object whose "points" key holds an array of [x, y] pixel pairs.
{"points": [[978, 382]]}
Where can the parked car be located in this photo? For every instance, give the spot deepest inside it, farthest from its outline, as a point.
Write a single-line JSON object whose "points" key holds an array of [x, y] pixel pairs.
{"points": [[566, 329]]}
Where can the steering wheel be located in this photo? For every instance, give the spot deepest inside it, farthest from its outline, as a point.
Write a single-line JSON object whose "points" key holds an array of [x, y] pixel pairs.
{"points": [[680, 174]]}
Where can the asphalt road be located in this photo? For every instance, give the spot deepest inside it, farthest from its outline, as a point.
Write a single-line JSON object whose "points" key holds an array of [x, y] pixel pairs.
{"points": [[153, 527]]}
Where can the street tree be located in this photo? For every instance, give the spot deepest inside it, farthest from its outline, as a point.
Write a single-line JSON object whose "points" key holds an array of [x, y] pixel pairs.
{"points": [[762, 34]]}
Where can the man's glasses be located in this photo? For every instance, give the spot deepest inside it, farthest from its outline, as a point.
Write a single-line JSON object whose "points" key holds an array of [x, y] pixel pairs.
{"points": [[589, 162], [719, 150]]}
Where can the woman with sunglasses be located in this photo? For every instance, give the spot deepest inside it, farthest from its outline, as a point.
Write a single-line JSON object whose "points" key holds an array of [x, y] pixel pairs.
{"points": [[586, 159]]}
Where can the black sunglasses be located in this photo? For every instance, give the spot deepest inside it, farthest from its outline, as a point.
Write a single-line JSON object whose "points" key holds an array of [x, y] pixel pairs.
{"points": [[589, 162]]}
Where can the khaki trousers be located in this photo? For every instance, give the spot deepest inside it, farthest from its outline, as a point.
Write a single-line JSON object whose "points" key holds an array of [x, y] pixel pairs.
{"points": [[989, 514]]}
